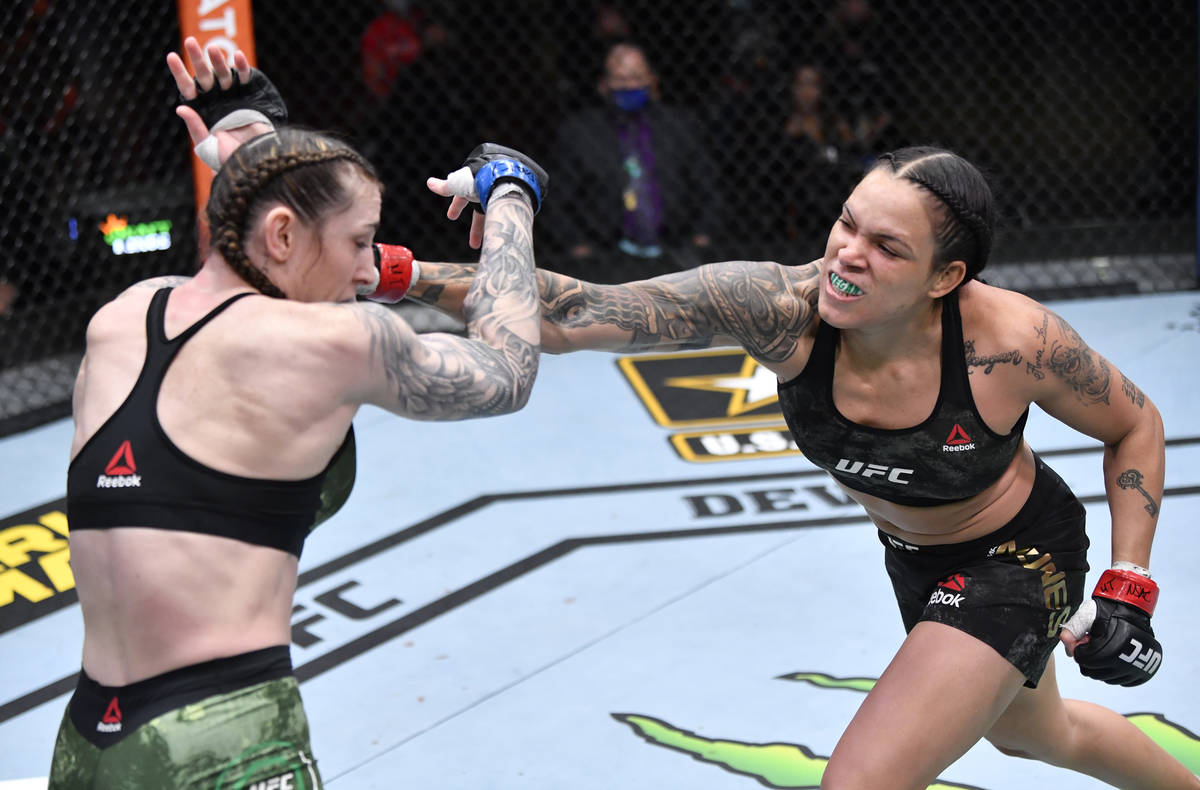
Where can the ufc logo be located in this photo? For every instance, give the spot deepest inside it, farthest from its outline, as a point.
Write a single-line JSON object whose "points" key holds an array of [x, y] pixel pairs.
{"points": [[1148, 661], [894, 474], [899, 544]]}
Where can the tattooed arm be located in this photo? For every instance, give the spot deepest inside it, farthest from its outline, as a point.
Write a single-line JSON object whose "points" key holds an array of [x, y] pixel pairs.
{"points": [[1084, 390], [445, 377], [762, 306]]}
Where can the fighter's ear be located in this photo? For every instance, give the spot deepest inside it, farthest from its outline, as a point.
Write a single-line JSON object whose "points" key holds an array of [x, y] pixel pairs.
{"points": [[948, 279]]}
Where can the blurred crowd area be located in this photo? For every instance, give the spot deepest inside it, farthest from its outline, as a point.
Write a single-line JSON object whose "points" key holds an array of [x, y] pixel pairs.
{"points": [[675, 133], [1082, 113]]}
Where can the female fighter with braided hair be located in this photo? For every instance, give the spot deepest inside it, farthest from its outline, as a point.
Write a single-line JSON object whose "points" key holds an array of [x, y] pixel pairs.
{"points": [[213, 432], [909, 380]]}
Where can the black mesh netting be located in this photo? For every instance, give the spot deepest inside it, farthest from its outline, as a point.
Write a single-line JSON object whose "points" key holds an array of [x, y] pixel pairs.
{"points": [[761, 116]]}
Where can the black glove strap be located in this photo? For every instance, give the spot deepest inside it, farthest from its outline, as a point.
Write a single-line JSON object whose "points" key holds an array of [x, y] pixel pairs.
{"points": [[257, 93]]}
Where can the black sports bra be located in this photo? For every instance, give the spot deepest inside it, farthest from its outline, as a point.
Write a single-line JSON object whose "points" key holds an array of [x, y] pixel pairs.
{"points": [[951, 456], [129, 474]]}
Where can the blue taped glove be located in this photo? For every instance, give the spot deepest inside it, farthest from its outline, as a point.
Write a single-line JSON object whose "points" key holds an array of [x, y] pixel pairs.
{"points": [[491, 164]]}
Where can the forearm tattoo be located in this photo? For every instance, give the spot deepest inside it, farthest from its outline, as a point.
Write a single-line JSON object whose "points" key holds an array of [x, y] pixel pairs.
{"points": [[492, 371], [504, 290], [764, 306], [467, 380], [1132, 479], [1072, 361], [755, 303], [989, 362], [437, 279]]}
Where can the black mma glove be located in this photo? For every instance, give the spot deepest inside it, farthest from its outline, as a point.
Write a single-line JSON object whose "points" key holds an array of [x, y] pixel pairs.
{"points": [[242, 103], [1121, 648], [257, 94], [491, 165]]}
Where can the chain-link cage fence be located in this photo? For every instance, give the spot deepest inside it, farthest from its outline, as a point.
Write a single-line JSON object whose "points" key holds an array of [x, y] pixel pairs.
{"points": [[730, 129]]}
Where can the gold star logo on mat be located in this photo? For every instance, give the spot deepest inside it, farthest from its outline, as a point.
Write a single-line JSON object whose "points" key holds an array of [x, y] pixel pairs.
{"points": [[752, 387], [686, 389]]}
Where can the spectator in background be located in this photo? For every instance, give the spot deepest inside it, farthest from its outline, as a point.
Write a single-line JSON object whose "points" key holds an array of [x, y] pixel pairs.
{"points": [[596, 27], [413, 88], [644, 172], [393, 42], [817, 143], [855, 65]]}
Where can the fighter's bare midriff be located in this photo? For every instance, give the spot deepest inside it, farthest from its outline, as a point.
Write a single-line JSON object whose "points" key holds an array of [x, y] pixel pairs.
{"points": [[155, 600], [956, 522]]}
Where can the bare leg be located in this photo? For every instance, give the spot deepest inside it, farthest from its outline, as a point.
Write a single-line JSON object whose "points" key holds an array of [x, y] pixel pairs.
{"points": [[936, 699], [1087, 738]]}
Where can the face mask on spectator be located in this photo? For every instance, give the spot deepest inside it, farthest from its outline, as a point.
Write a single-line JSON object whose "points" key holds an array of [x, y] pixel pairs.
{"points": [[631, 99]]}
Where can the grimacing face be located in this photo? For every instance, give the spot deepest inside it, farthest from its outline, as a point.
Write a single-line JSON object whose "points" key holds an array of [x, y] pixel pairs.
{"points": [[878, 262]]}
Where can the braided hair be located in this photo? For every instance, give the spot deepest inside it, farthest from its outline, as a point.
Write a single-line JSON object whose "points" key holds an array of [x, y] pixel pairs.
{"points": [[965, 224], [297, 168]]}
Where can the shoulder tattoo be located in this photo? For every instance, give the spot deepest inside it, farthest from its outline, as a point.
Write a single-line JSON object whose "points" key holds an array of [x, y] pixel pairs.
{"points": [[1135, 395], [989, 362], [1069, 358]]}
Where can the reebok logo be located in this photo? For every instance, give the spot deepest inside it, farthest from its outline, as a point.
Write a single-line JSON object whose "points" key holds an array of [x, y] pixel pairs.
{"points": [[122, 461], [957, 441], [111, 720], [949, 592], [121, 470], [955, 583]]}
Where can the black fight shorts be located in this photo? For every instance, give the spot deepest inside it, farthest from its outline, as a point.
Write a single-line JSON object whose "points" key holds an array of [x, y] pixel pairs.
{"points": [[1012, 589]]}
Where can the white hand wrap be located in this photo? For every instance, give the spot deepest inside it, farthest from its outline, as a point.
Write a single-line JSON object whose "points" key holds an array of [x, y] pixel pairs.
{"points": [[1081, 622], [462, 184], [1122, 565], [207, 149], [505, 187]]}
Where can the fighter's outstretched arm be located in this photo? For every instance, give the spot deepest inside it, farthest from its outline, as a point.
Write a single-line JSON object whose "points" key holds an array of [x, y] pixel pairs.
{"points": [[764, 307]]}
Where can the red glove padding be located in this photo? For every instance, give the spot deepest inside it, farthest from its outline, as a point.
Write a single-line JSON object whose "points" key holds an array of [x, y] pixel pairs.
{"points": [[1128, 587], [1120, 647], [398, 272]]}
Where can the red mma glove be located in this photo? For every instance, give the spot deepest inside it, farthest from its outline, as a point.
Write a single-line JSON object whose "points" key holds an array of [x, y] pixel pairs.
{"points": [[398, 272]]}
